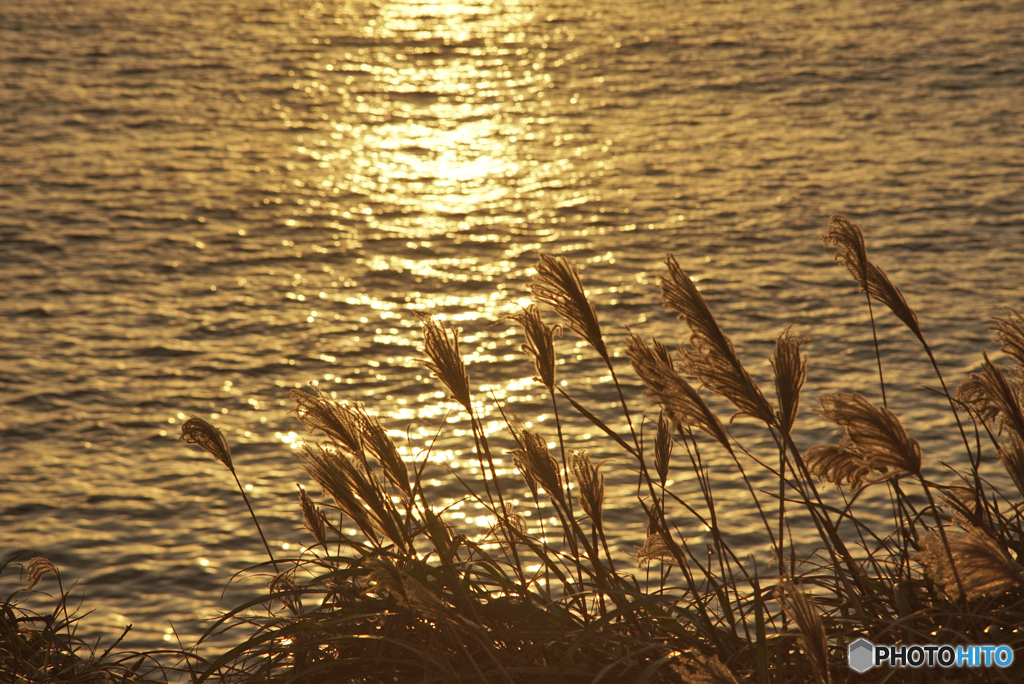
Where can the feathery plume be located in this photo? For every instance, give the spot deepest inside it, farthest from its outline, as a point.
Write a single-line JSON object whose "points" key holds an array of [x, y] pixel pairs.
{"points": [[408, 590], [711, 358], [441, 345], [535, 462], [790, 373], [1000, 394], [698, 668], [354, 431], [591, 484], [515, 521], [1010, 332], [313, 517], [339, 476], [509, 528], [1011, 453], [540, 343], [984, 567], [799, 606], [357, 492], [195, 430], [669, 390], [36, 568], [848, 241], [961, 498], [381, 446], [972, 394], [844, 467], [558, 285], [654, 549], [343, 424], [875, 447]]}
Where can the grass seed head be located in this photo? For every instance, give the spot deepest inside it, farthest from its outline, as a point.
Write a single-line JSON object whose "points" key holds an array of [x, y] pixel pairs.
{"points": [[848, 241], [654, 549], [790, 373], [195, 430], [669, 390], [972, 394], [984, 567], [441, 345], [591, 484], [1011, 453], [663, 446], [337, 474], [36, 568], [697, 668], [800, 608], [379, 443], [558, 285], [533, 459], [313, 517], [1004, 395], [1010, 332], [342, 423], [509, 528], [875, 439], [408, 590], [540, 343], [711, 356], [842, 466]]}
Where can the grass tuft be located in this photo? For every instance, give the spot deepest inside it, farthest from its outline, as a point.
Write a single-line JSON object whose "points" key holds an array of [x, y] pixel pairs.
{"points": [[43, 648], [389, 591], [406, 597]]}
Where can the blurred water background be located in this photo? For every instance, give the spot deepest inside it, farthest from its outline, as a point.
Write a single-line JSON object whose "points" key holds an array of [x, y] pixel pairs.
{"points": [[203, 204]]}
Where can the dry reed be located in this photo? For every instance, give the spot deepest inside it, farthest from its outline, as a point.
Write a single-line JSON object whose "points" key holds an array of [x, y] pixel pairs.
{"points": [[983, 565], [711, 356], [558, 285], [875, 445], [848, 241]]}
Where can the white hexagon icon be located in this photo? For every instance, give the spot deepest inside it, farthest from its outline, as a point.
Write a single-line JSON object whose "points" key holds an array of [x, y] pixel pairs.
{"points": [[862, 655]]}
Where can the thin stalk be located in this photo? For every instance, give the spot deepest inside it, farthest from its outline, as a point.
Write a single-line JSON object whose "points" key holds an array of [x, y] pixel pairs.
{"points": [[878, 351], [565, 464], [253, 514]]}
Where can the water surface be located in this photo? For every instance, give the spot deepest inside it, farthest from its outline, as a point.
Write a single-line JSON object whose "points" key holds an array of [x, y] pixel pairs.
{"points": [[203, 204]]}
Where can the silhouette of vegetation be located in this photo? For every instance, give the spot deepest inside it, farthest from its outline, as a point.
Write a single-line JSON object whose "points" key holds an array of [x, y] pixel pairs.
{"points": [[388, 591]]}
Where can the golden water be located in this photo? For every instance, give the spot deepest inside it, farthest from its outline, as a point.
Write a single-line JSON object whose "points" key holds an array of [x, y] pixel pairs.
{"points": [[203, 204]]}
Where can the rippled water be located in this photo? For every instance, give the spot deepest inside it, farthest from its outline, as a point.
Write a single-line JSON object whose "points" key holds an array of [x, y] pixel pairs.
{"points": [[205, 203]]}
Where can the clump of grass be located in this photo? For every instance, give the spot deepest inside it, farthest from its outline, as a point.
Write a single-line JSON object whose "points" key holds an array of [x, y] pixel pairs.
{"points": [[389, 592], [42, 648]]}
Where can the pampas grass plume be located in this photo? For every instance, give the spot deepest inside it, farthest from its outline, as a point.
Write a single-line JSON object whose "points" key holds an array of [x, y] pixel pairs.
{"points": [[540, 344], [848, 241], [441, 345], [711, 357], [197, 431], [1010, 333], [591, 484], [875, 441], [983, 565], [36, 568], [669, 390], [800, 608], [558, 285]]}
